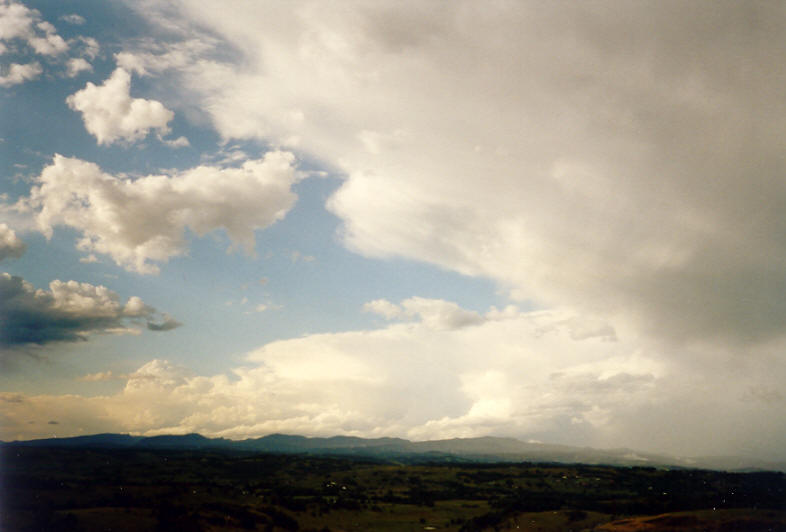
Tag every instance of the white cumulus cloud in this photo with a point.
(11, 246)
(17, 21)
(76, 65)
(384, 308)
(73, 18)
(100, 376)
(433, 313)
(440, 314)
(90, 46)
(19, 73)
(142, 222)
(179, 142)
(110, 113)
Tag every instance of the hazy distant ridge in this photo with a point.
(477, 449)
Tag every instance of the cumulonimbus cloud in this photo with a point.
(605, 159)
(141, 222)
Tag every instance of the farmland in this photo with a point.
(111, 489)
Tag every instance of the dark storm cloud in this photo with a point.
(67, 312)
(167, 324)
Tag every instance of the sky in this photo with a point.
(559, 222)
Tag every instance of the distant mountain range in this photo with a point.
(486, 449)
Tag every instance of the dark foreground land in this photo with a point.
(130, 490)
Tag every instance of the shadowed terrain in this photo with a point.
(92, 489)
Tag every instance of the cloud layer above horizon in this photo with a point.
(549, 375)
